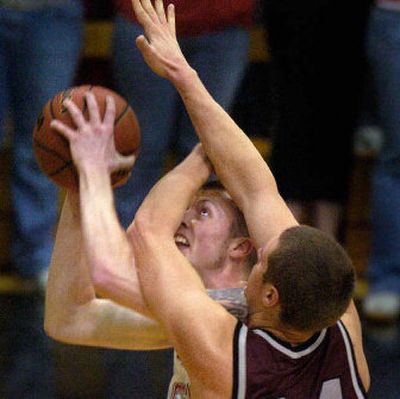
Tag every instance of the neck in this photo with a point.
(222, 278)
(291, 336)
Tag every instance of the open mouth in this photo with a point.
(181, 241)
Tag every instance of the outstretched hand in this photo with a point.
(159, 46)
(92, 142)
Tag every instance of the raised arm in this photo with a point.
(236, 161)
(73, 314)
(197, 327)
(108, 250)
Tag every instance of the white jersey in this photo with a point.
(234, 301)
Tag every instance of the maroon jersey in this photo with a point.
(324, 367)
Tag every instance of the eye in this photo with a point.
(204, 211)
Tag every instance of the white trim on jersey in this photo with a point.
(287, 351)
(350, 358)
(242, 377)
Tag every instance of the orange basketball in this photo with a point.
(52, 148)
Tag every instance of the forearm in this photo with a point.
(161, 266)
(69, 285)
(164, 206)
(73, 314)
(236, 161)
(108, 250)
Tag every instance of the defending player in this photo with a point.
(304, 336)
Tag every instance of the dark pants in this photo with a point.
(318, 62)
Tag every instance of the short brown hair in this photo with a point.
(239, 226)
(314, 277)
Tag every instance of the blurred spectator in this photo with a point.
(39, 50)
(383, 300)
(317, 49)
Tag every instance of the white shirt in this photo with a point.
(234, 301)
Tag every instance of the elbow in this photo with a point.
(146, 226)
(102, 280)
(141, 225)
(63, 331)
(50, 322)
(52, 333)
(59, 336)
(49, 329)
(53, 329)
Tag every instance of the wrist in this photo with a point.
(182, 77)
(94, 177)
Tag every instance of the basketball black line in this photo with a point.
(50, 151)
(61, 169)
(121, 115)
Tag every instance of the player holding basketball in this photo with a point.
(212, 234)
(303, 338)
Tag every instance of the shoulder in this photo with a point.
(352, 323)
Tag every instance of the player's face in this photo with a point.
(205, 232)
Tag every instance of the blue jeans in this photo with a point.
(384, 55)
(219, 58)
(39, 51)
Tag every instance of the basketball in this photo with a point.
(51, 148)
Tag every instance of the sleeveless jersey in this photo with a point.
(234, 302)
(324, 367)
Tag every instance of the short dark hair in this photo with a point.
(314, 276)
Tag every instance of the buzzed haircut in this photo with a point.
(314, 277)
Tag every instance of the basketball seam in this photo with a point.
(59, 170)
(121, 115)
(50, 151)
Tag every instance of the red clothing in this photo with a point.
(389, 4)
(202, 16)
(322, 368)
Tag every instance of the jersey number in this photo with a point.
(331, 389)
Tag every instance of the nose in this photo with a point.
(188, 217)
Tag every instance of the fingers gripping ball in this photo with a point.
(52, 149)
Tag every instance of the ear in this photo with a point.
(270, 296)
(240, 247)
